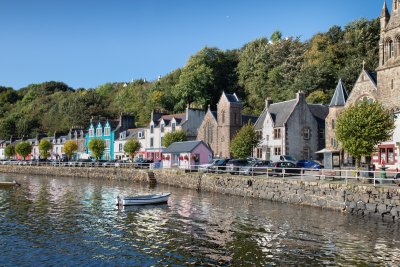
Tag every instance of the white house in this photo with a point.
(160, 124)
(124, 136)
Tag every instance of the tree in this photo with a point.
(362, 126)
(97, 146)
(131, 147)
(172, 137)
(9, 151)
(70, 147)
(244, 142)
(44, 147)
(23, 149)
(318, 97)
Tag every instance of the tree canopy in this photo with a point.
(172, 137)
(44, 147)
(23, 149)
(360, 127)
(9, 151)
(97, 146)
(132, 146)
(277, 67)
(244, 142)
(70, 147)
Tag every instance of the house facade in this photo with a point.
(186, 155)
(108, 131)
(2, 147)
(160, 124)
(78, 135)
(124, 136)
(219, 127)
(290, 128)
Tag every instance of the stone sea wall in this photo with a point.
(366, 200)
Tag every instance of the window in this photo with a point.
(258, 135)
(259, 153)
(107, 131)
(223, 116)
(162, 140)
(140, 135)
(277, 133)
(391, 50)
(333, 124)
(173, 126)
(91, 132)
(322, 133)
(151, 142)
(162, 128)
(120, 147)
(152, 129)
(107, 143)
(208, 133)
(98, 132)
(386, 154)
(392, 84)
(277, 150)
(306, 153)
(306, 134)
(333, 143)
(106, 156)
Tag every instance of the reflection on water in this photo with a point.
(69, 222)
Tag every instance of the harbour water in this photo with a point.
(51, 221)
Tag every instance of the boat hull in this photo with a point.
(144, 200)
(14, 183)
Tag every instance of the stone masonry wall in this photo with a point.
(357, 199)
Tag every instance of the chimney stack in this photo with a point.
(268, 102)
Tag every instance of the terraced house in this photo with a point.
(108, 131)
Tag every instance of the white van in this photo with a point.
(276, 158)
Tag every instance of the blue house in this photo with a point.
(108, 131)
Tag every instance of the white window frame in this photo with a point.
(99, 130)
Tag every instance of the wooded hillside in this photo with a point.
(272, 67)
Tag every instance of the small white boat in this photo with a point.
(13, 183)
(143, 200)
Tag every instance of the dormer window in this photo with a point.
(107, 131)
(91, 132)
(98, 132)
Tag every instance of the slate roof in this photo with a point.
(113, 123)
(373, 77)
(232, 98)
(280, 113)
(182, 147)
(340, 96)
(180, 118)
(319, 111)
(133, 133)
(249, 118)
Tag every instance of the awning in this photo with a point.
(325, 150)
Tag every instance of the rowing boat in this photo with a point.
(143, 199)
(13, 183)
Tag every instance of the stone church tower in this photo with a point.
(388, 72)
(229, 121)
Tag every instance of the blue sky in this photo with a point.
(85, 43)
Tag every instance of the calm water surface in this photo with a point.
(73, 222)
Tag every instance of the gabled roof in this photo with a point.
(215, 114)
(249, 118)
(372, 76)
(184, 147)
(232, 98)
(340, 96)
(319, 111)
(280, 113)
(180, 118)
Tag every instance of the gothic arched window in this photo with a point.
(391, 49)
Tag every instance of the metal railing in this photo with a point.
(340, 175)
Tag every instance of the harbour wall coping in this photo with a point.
(358, 199)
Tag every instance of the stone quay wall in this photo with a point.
(365, 200)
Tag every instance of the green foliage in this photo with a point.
(361, 127)
(260, 69)
(131, 147)
(172, 137)
(318, 97)
(23, 149)
(44, 147)
(70, 147)
(97, 146)
(244, 141)
(9, 151)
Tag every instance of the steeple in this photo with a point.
(340, 96)
(385, 16)
(395, 6)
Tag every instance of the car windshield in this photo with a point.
(290, 158)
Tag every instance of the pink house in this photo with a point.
(186, 155)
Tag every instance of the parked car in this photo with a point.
(206, 167)
(142, 163)
(308, 164)
(257, 167)
(84, 162)
(284, 167)
(219, 166)
(276, 158)
(234, 165)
